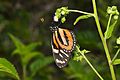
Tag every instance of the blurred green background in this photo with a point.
(29, 21)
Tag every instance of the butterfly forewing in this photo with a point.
(66, 40)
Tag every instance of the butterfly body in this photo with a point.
(63, 43)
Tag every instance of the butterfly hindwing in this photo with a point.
(61, 58)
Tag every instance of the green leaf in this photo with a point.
(7, 67)
(78, 58)
(109, 32)
(20, 46)
(40, 63)
(16, 51)
(78, 52)
(26, 58)
(82, 17)
(33, 45)
(84, 51)
(116, 62)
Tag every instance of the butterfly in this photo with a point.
(63, 43)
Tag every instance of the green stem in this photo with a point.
(116, 55)
(103, 41)
(81, 12)
(90, 64)
(108, 25)
(24, 72)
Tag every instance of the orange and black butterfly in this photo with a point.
(63, 43)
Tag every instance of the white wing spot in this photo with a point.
(60, 55)
(55, 50)
(65, 59)
(59, 61)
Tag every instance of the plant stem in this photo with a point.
(103, 41)
(24, 72)
(90, 64)
(81, 12)
(108, 25)
(116, 55)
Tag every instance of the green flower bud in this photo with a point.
(117, 13)
(63, 12)
(109, 10)
(114, 8)
(63, 20)
(115, 17)
(118, 40)
(58, 10)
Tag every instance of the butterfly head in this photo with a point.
(53, 28)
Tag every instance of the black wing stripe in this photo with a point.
(66, 37)
(60, 37)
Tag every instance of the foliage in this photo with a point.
(8, 68)
(82, 17)
(77, 71)
(112, 11)
(39, 64)
(27, 53)
(29, 21)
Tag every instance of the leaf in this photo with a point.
(20, 46)
(29, 56)
(109, 32)
(16, 51)
(40, 63)
(7, 67)
(33, 45)
(84, 51)
(116, 62)
(78, 58)
(82, 17)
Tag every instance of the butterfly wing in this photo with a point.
(63, 43)
(61, 58)
(66, 39)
